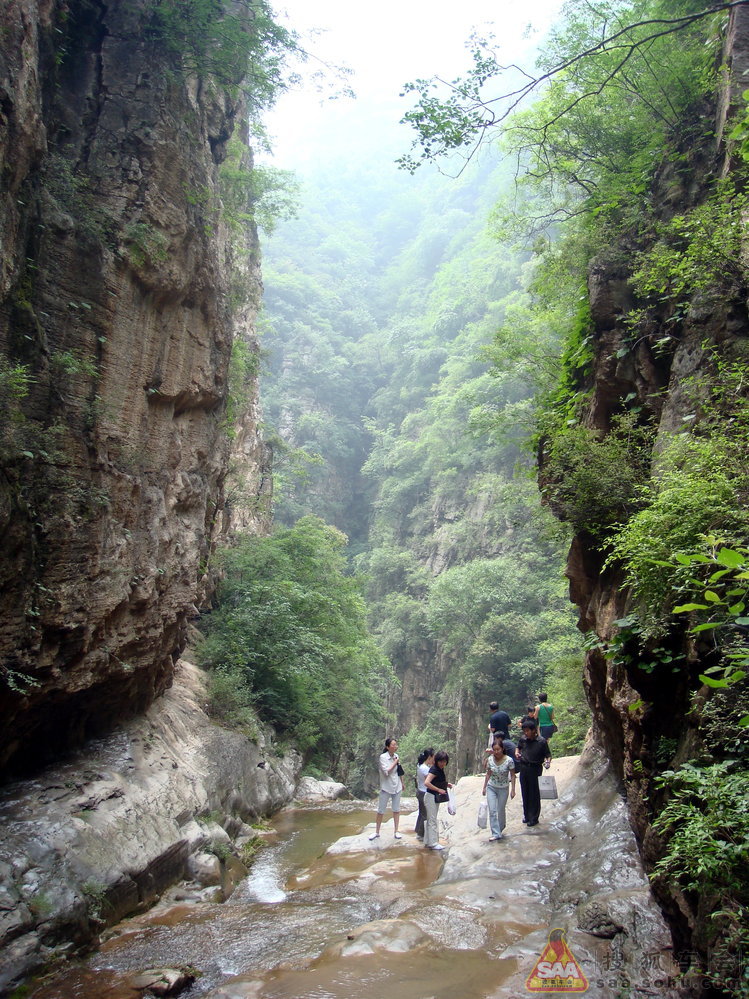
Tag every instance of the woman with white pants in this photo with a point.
(436, 785)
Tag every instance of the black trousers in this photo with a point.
(422, 816)
(529, 774)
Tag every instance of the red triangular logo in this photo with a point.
(556, 970)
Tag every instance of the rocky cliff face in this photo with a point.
(116, 329)
(644, 720)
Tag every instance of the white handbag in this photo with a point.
(547, 787)
(482, 816)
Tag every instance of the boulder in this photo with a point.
(311, 789)
(205, 868)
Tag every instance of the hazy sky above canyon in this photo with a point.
(385, 45)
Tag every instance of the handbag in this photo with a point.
(554, 728)
(547, 787)
(399, 770)
(481, 818)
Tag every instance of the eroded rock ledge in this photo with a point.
(103, 834)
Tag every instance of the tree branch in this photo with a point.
(465, 118)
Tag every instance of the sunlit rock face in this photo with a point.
(115, 304)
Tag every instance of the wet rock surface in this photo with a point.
(327, 912)
(104, 834)
(163, 981)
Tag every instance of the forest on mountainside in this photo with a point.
(416, 371)
(381, 302)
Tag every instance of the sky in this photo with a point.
(386, 44)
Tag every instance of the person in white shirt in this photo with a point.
(391, 786)
(426, 759)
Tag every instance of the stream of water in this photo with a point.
(327, 914)
(297, 900)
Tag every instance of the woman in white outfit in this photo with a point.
(391, 786)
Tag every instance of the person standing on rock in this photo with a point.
(436, 785)
(391, 786)
(500, 771)
(499, 723)
(545, 716)
(426, 759)
(532, 753)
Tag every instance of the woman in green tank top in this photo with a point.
(545, 716)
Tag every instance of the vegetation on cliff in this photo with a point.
(642, 443)
(288, 639)
(377, 324)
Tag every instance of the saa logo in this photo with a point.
(556, 970)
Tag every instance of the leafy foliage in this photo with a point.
(237, 44)
(594, 481)
(380, 324)
(708, 846)
(15, 380)
(289, 624)
(697, 252)
(255, 194)
(706, 822)
(231, 702)
(700, 490)
(723, 592)
(603, 111)
(635, 647)
(500, 619)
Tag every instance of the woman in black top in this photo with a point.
(436, 784)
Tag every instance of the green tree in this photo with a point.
(237, 44)
(598, 61)
(291, 625)
(379, 324)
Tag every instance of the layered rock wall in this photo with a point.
(118, 314)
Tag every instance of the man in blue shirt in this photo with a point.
(499, 723)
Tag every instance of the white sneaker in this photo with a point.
(437, 847)
(375, 836)
(397, 836)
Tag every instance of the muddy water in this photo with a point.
(296, 900)
(326, 914)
